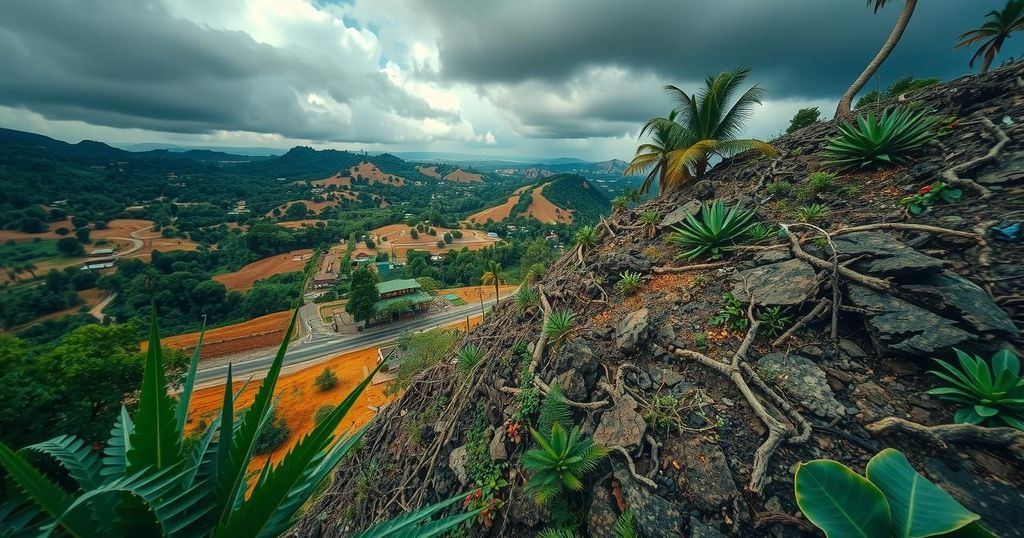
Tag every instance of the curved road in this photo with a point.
(320, 348)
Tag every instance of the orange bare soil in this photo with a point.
(461, 176)
(300, 399)
(471, 294)
(295, 224)
(90, 298)
(244, 278)
(498, 213)
(337, 180)
(430, 171)
(543, 210)
(313, 207)
(264, 331)
(372, 174)
(398, 238)
(117, 228)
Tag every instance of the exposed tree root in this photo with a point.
(811, 316)
(952, 175)
(632, 468)
(904, 226)
(1008, 438)
(846, 272)
(688, 268)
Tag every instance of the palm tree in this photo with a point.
(493, 275)
(701, 126)
(994, 32)
(894, 37)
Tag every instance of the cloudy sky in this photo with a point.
(515, 78)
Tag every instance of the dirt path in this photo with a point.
(97, 311)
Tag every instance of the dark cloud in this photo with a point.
(128, 63)
(797, 48)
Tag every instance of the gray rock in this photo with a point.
(804, 382)
(699, 530)
(851, 349)
(655, 517)
(949, 292)
(572, 384)
(601, 517)
(633, 331)
(665, 377)
(901, 327)
(496, 448)
(774, 255)
(783, 283)
(457, 460)
(680, 213)
(705, 477)
(619, 261)
(997, 501)
(621, 425)
(1006, 169)
(884, 255)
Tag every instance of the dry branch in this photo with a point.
(687, 268)
(1009, 438)
(952, 175)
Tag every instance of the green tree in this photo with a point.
(362, 296)
(991, 35)
(700, 126)
(493, 275)
(83, 234)
(70, 246)
(33, 225)
(296, 211)
(803, 118)
(843, 109)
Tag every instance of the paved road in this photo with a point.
(319, 348)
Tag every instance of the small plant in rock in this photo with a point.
(719, 226)
(732, 315)
(528, 398)
(813, 213)
(561, 532)
(780, 188)
(561, 462)
(880, 141)
(928, 196)
(625, 526)
(893, 500)
(649, 220)
(554, 410)
(663, 413)
(991, 395)
(526, 298)
(822, 181)
(560, 323)
(326, 380)
(759, 232)
(774, 320)
(469, 357)
(619, 203)
(585, 238)
(628, 283)
(700, 340)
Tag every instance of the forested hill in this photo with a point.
(570, 191)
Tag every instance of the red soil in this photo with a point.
(244, 278)
(461, 176)
(264, 331)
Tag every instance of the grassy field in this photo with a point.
(18, 253)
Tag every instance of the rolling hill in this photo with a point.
(562, 199)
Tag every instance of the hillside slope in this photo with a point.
(562, 199)
(708, 422)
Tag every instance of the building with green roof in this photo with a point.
(398, 297)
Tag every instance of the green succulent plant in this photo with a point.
(526, 298)
(990, 395)
(893, 500)
(558, 326)
(774, 320)
(813, 213)
(148, 482)
(468, 357)
(719, 226)
(759, 232)
(560, 463)
(585, 237)
(880, 141)
(628, 283)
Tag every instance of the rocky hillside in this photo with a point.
(706, 422)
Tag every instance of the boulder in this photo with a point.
(699, 530)
(884, 255)
(577, 355)
(601, 517)
(619, 261)
(621, 425)
(899, 326)
(680, 213)
(496, 448)
(655, 517)
(774, 255)
(950, 292)
(705, 477)
(784, 283)
(457, 460)
(665, 377)
(633, 331)
(801, 379)
(572, 384)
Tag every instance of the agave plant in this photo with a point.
(585, 238)
(812, 213)
(719, 226)
(148, 484)
(561, 462)
(878, 142)
(468, 357)
(629, 282)
(558, 326)
(993, 396)
(894, 500)
(649, 220)
(526, 298)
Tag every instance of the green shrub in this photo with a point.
(628, 283)
(526, 298)
(992, 395)
(773, 320)
(700, 340)
(650, 220)
(813, 213)
(803, 118)
(928, 196)
(326, 380)
(561, 463)
(894, 500)
(585, 237)
(273, 434)
(780, 188)
(469, 356)
(879, 142)
(759, 232)
(625, 526)
(719, 226)
(322, 413)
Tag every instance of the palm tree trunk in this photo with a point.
(897, 32)
(496, 295)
